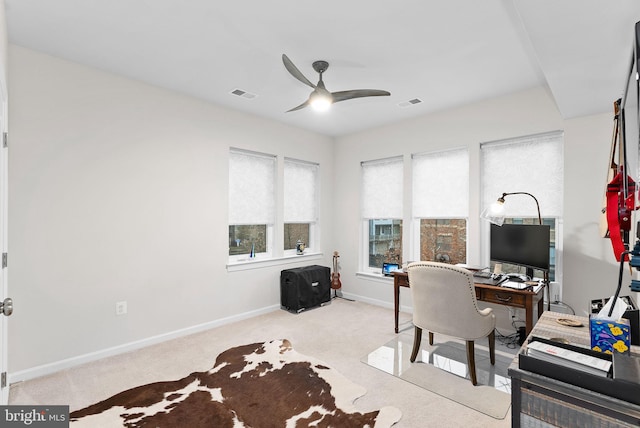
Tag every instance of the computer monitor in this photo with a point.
(521, 244)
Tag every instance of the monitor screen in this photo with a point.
(521, 244)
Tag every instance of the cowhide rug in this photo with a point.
(258, 385)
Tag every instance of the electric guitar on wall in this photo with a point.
(620, 191)
(612, 169)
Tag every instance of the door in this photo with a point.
(6, 305)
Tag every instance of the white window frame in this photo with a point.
(517, 200)
(268, 254)
(313, 245)
(386, 195)
(460, 212)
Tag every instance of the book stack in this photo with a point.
(568, 358)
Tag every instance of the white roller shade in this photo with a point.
(533, 164)
(382, 188)
(441, 184)
(251, 188)
(300, 191)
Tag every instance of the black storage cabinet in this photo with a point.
(304, 288)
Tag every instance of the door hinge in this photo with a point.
(3, 380)
(4, 260)
(5, 139)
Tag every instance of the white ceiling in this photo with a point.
(445, 53)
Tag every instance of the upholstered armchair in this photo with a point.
(444, 302)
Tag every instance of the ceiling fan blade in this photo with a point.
(303, 105)
(358, 93)
(295, 72)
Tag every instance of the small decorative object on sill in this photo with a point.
(252, 254)
(300, 247)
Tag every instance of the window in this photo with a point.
(532, 164)
(247, 239)
(385, 242)
(443, 240)
(251, 203)
(300, 203)
(294, 232)
(382, 212)
(441, 205)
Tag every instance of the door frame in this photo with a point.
(4, 180)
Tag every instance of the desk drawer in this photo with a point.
(501, 297)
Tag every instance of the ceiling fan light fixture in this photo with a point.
(321, 99)
(320, 102)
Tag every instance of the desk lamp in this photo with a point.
(495, 212)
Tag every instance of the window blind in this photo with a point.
(382, 187)
(300, 191)
(441, 184)
(532, 164)
(251, 188)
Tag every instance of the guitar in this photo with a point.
(620, 194)
(335, 276)
(612, 169)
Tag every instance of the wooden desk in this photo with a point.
(486, 293)
(538, 400)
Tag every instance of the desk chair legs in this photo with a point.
(471, 355)
(417, 338)
(492, 347)
(471, 362)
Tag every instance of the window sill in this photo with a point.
(247, 264)
(375, 277)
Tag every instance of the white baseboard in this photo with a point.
(558, 307)
(367, 300)
(50, 368)
(376, 302)
(57, 366)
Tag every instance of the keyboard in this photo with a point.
(489, 278)
(483, 274)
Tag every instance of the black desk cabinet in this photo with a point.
(304, 288)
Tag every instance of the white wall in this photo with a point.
(118, 191)
(590, 270)
(4, 44)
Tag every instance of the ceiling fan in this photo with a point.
(320, 99)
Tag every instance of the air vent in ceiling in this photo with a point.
(243, 94)
(410, 102)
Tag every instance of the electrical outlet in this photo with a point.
(121, 308)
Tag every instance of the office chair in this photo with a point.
(444, 302)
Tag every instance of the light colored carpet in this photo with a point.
(338, 334)
(442, 368)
